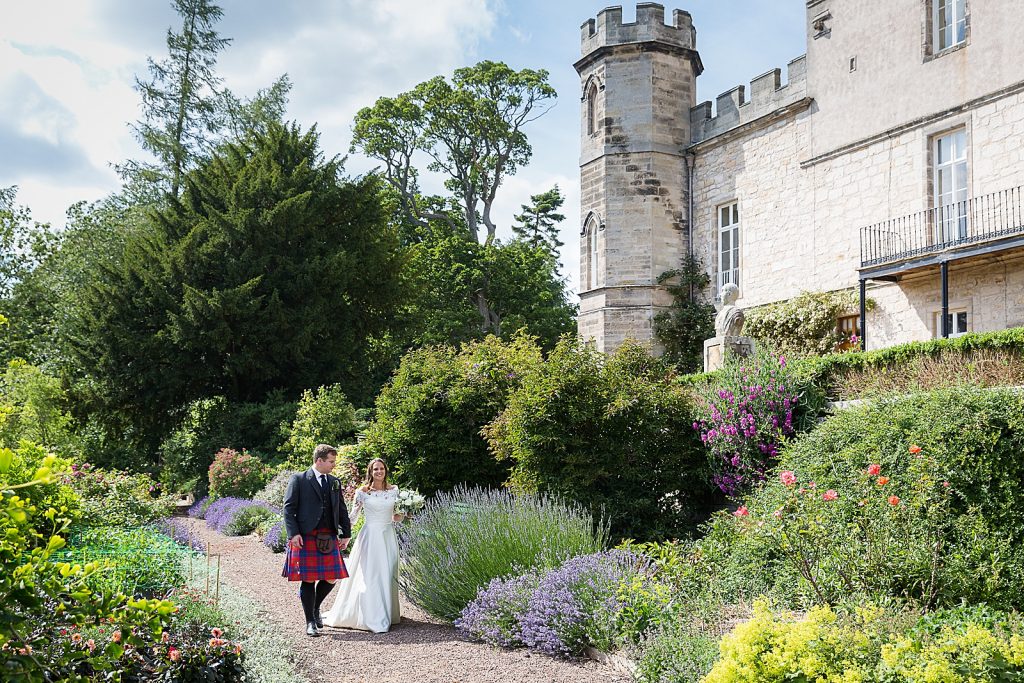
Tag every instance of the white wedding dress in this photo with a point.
(368, 598)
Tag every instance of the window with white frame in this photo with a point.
(949, 18)
(958, 321)
(728, 245)
(949, 154)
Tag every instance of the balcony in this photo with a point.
(974, 226)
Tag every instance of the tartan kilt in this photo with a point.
(309, 564)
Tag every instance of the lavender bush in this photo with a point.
(199, 508)
(582, 603)
(464, 539)
(493, 616)
(181, 533)
(222, 513)
(276, 537)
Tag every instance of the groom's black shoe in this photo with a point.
(311, 630)
(318, 620)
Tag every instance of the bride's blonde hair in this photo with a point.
(369, 474)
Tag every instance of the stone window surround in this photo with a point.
(592, 239)
(931, 34)
(591, 101)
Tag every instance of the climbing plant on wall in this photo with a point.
(804, 325)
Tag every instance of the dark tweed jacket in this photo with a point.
(303, 505)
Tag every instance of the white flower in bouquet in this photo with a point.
(409, 502)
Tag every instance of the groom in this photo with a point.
(318, 529)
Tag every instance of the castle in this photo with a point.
(889, 161)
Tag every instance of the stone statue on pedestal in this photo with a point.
(728, 339)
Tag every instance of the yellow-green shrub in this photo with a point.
(872, 645)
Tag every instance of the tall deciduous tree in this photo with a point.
(471, 131)
(180, 100)
(268, 273)
(537, 225)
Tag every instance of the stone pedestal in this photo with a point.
(717, 349)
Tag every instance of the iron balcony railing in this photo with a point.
(957, 224)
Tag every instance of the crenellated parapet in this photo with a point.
(767, 94)
(609, 31)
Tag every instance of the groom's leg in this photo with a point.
(323, 589)
(307, 594)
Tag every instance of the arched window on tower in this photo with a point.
(593, 257)
(592, 109)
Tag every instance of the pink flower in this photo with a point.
(811, 484)
(164, 637)
(787, 478)
(91, 644)
(116, 636)
(829, 495)
(173, 653)
(874, 469)
(778, 513)
(742, 511)
(894, 500)
(946, 484)
(217, 633)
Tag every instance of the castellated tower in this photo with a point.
(638, 85)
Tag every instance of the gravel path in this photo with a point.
(417, 650)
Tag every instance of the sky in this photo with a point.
(68, 68)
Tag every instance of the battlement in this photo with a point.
(767, 94)
(649, 26)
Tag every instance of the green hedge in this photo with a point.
(825, 372)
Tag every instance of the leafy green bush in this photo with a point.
(613, 433)
(42, 597)
(211, 424)
(325, 416)
(462, 540)
(429, 417)
(249, 519)
(274, 490)
(141, 562)
(116, 498)
(50, 492)
(868, 644)
(34, 409)
(676, 652)
(953, 530)
(234, 474)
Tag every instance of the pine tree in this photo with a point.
(537, 225)
(180, 101)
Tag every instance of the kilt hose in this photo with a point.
(309, 564)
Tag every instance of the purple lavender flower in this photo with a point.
(275, 538)
(579, 603)
(198, 509)
(493, 616)
(222, 512)
(181, 533)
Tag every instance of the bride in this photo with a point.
(368, 599)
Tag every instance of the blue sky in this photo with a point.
(67, 69)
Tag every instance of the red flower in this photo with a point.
(173, 653)
(894, 500)
(829, 495)
(882, 481)
(874, 469)
(914, 449)
(742, 511)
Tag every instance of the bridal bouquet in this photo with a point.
(409, 502)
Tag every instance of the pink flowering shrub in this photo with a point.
(748, 413)
(237, 474)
